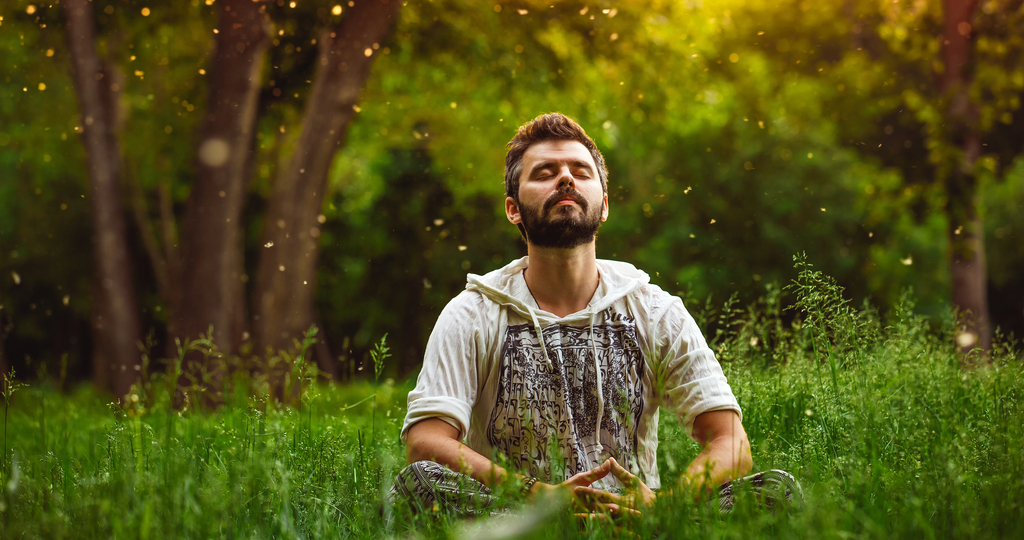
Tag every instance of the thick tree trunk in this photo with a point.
(212, 281)
(116, 356)
(966, 234)
(286, 279)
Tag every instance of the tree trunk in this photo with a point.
(966, 234)
(116, 356)
(286, 277)
(212, 276)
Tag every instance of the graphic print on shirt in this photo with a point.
(542, 407)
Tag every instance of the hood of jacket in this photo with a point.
(618, 279)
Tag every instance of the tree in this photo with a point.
(115, 309)
(978, 82)
(211, 290)
(286, 278)
(965, 230)
(204, 284)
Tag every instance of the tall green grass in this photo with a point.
(888, 435)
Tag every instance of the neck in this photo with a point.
(562, 280)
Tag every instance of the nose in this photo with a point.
(565, 178)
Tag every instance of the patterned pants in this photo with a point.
(429, 486)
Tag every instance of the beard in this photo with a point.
(561, 227)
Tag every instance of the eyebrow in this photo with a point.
(577, 163)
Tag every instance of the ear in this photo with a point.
(604, 208)
(512, 211)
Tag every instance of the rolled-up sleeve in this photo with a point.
(690, 378)
(447, 385)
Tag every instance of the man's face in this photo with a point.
(561, 200)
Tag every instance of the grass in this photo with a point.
(888, 435)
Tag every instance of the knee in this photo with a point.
(418, 470)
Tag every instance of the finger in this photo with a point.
(627, 478)
(593, 475)
(620, 514)
(586, 503)
(597, 495)
(619, 471)
(623, 512)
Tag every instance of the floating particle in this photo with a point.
(214, 152)
(966, 339)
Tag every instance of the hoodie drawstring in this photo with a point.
(600, 387)
(540, 335)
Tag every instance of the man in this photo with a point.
(557, 363)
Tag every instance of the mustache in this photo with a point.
(563, 194)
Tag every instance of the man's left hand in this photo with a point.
(637, 497)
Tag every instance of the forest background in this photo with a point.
(260, 167)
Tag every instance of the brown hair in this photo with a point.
(546, 127)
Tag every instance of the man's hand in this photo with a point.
(725, 455)
(584, 506)
(637, 497)
(435, 440)
(582, 479)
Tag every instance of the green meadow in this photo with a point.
(888, 434)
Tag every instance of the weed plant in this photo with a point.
(889, 436)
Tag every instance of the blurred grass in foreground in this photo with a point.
(888, 435)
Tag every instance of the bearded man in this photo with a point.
(550, 372)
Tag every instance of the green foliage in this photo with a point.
(10, 386)
(737, 132)
(379, 354)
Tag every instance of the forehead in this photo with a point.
(556, 151)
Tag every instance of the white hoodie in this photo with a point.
(535, 402)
